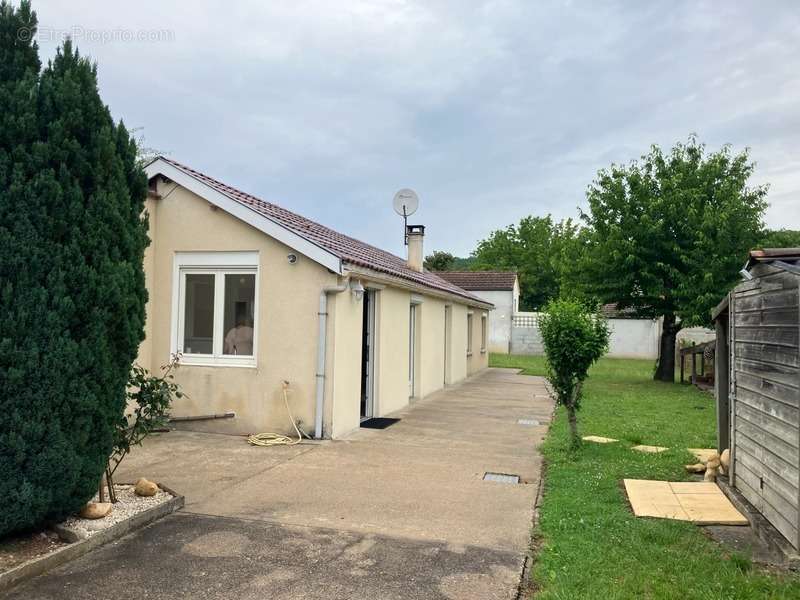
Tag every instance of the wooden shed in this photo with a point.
(758, 386)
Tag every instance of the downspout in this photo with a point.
(321, 349)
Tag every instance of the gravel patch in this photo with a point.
(128, 504)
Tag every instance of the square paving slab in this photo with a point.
(598, 439)
(702, 503)
(650, 449)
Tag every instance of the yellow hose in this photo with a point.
(278, 439)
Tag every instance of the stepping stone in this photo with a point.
(703, 454)
(650, 449)
(599, 439)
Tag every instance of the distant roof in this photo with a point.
(612, 311)
(480, 280)
(349, 250)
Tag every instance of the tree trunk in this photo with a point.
(575, 439)
(666, 361)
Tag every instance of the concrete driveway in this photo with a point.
(397, 513)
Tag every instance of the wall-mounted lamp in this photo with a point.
(358, 290)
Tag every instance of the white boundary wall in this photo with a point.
(630, 338)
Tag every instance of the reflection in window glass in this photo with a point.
(240, 297)
(198, 327)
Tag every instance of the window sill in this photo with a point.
(184, 362)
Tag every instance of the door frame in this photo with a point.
(370, 297)
(413, 346)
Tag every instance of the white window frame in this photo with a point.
(218, 264)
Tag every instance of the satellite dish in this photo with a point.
(405, 202)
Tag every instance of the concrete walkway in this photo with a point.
(395, 513)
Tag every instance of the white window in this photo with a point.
(215, 308)
(483, 333)
(469, 333)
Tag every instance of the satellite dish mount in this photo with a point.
(405, 204)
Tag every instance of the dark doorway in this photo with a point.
(367, 354)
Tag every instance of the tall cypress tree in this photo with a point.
(72, 292)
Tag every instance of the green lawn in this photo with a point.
(591, 544)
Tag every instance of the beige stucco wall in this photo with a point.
(287, 331)
(479, 359)
(344, 365)
(287, 328)
(431, 363)
(391, 350)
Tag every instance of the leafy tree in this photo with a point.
(667, 235)
(574, 339)
(72, 289)
(780, 238)
(542, 252)
(439, 261)
(465, 263)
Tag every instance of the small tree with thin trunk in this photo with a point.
(574, 339)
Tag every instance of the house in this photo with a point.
(501, 288)
(251, 294)
(757, 383)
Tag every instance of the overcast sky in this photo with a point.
(490, 110)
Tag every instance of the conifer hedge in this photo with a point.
(72, 291)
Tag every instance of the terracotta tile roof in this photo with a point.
(349, 250)
(480, 280)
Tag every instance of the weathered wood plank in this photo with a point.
(786, 316)
(780, 336)
(767, 353)
(768, 493)
(785, 484)
(775, 373)
(751, 493)
(765, 439)
(778, 410)
(769, 504)
(767, 300)
(781, 392)
(768, 423)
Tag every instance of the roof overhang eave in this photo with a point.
(253, 218)
(400, 282)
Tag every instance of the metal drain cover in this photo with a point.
(528, 422)
(500, 477)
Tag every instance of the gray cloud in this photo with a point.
(491, 110)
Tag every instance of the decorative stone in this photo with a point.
(96, 510)
(725, 461)
(144, 487)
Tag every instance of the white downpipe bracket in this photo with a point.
(321, 350)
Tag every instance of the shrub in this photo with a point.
(574, 339)
(150, 398)
(72, 291)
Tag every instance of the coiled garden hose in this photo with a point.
(278, 439)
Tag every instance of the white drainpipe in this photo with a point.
(321, 347)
